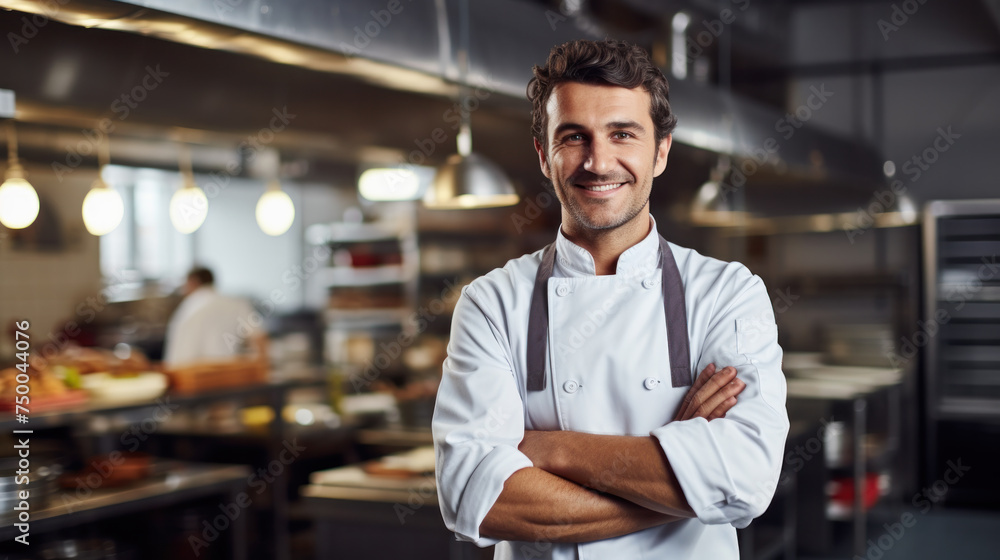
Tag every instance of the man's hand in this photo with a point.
(630, 467)
(538, 446)
(712, 395)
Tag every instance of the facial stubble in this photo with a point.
(578, 214)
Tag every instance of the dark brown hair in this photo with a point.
(202, 276)
(605, 62)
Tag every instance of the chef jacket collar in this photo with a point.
(202, 291)
(636, 261)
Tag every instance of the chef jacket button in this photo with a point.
(650, 383)
(571, 386)
(650, 283)
(562, 290)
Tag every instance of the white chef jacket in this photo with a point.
(209, 326)
(608, 372)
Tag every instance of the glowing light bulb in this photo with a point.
(188, 208)
(275, 211)
(18, 199)
(102, 209)
(18, 203)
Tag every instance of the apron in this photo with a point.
(673, 306)
(606, 380)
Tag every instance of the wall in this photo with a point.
(250, 263)
(45, 287)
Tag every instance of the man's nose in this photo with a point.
(600, 158)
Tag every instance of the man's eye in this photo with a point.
(622, 135)
(573, 138)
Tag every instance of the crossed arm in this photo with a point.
(536, 505)
(587, 487)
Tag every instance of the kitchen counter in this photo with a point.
(362, 515)
(180, 482)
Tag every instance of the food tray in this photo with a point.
(209, 376)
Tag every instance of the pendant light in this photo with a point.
(102, 208)
(189, 205)
(275, 210)
(380, 184)
(18, 199)
(467, 179)
(716, 203)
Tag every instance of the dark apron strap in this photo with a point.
(538, 320)
(674, 310)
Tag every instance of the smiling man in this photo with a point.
(569, 421)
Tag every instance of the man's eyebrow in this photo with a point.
(617, 125)
(565, 127)
(614, 125)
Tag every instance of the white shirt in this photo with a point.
(607, 338)
(209, 326)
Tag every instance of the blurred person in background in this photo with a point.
(209, 326)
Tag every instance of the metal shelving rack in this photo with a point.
(341, 323)
(859, 398)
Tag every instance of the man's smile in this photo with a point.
(601, 188)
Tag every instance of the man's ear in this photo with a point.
(661, 155)
(543, 162)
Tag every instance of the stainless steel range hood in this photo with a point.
(407, 46)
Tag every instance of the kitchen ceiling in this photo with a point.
(67, 78)
(336, 117)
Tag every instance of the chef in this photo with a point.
(613, 395)
(209, 326)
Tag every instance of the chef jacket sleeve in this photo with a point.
(729, 467)
(478, 422)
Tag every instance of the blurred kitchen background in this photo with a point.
(315, 156)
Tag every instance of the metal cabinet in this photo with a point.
(960, 337)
